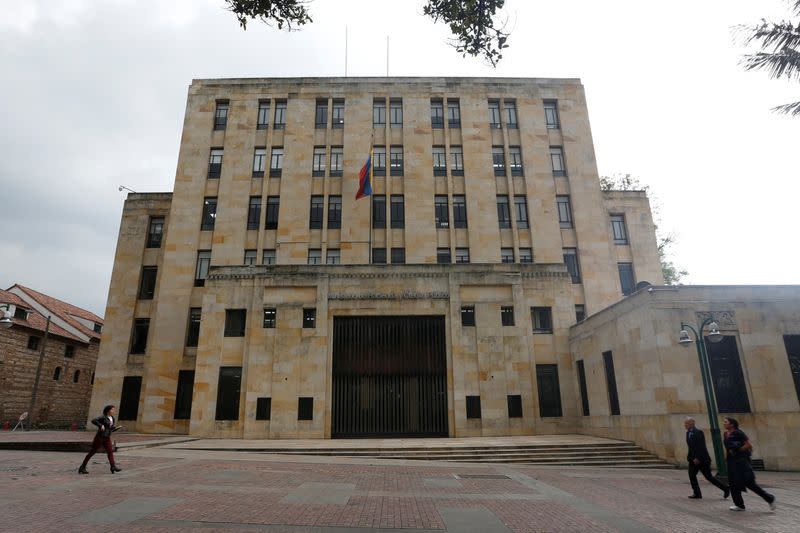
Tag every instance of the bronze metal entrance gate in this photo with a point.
(389, 377)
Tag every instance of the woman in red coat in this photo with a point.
(106, 425)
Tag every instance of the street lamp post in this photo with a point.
(705, 372)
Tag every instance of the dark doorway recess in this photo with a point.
(389, 377)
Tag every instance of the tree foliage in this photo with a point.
(476, 32)
(779, 54)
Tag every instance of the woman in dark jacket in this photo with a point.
(740, 472)
(106, 425)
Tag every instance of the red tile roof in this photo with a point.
(65, 311)
(35, 320)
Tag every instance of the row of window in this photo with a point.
(33, 344)
(76, 376)
(541, 317)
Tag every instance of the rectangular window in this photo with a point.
(33, 343)
(254, 212)
(337, 161)
(321, 115)
(515, 160)
(337, 119)
(473, 406)
(507, 315)
(69, 352)
(503, 213)
(229, 392)
(221, 115)
(453, 114)
(618, 229)
(209, 214)
(564, 211)
(439, 161)
(183, 395)
(441, 211)
(626, 278)
(396, 160)
(314, 256)
(270, 317)
(273, 206)
(215, 163)
(457, 161)
(792, 343)
(379, 113)
(462, 255)
(129, 401)
(542, 320)
(437, 114)
(155, 232)
(498, 161)
(250, 257)
(551, 114)
(557, 161)
(334, 212)
(525, 255)
(582, 387)
(511, 114)
(262, 122)
(333, 256)
(309, 318)
(269, 257)
(379, 256)
(611, 382)
(443, 256)
(235, 321)
(305, 408)
(494, 114)
(521, 209)
(276, 162)
(280, 115)
(468, 315)
(573, 265)
(549, 391)
(193, 328)
(396, 113)
(263, 408)
(316, 212)
(506, 255)
(379, 161)
(580, 313)
(201, 271)
(147, 285)
(318, 162)
(259, 161)
(141, 327)
(459, 211)
(378, 211)
(727, 376)
(514, 406)
(398, 212)
(398, 256)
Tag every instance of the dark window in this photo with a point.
(334, 212)
(263, 115)
(20, 313)
(193, 330)
(506, 255)
(139, 335)
(441, 211)
(395, 113)
(511, 114)
(457, 161)
(396, 160)
(549, 391)
(201, 271)
(564, 211)
(611, 382)
(583, 390)
(155, 232)
(378, 211)
(69, 351)
(318, 161)
(76, 376)
(229, 392)
(618, 229)
(97, 327)
(398, 211)
(726, 373)
(91, 382)
(525, 255)
(514, 406)
(521, 209)
(259, 161)
(437, 114)
(507, 315)
(305, 408)
(379, 256)
(276, 162)
(557, 161)
(398, 256)
(551, 114)
(542, 320)
(183, 395)
(467, 315)
(129, 402)
(462, 255)
(379, 112)
(443, 256)
(33, 343)
(321, 115)
(263, 408)
(515, 160)
(273, 205)
(337, 161)
(209, 214)
(459, 211)
(316, 212)
(379, 161)
(626, 278)
(494, 114)
(235, 321)
(503, 212)
(792, 343)
(309, 318)
(498, 161)
(453, 114)
(147, 285)
(280, 115)
(337, 119)
(57, 373)
(580, 313)
(221, 116)
(473, 406)
(270, 317)
(215, 163)
(439, 161)
(254, 212)
(573, 266)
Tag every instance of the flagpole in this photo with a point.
(372, 184)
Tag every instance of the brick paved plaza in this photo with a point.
(163, 489)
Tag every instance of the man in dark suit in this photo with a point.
(699, 460)
(106, 425)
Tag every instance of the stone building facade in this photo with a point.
(260, 299)
(68, 353)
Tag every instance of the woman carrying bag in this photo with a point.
(106, 425)
(740, 473)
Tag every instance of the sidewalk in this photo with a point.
(78, 441)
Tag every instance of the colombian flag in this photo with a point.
(365, 179)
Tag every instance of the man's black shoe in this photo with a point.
(725, 494)
(115, 469)
(82, 470)
(695, 497)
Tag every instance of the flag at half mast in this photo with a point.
(365, 178)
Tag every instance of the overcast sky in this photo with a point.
(94, 92)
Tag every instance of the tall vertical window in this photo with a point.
(379, 113)
(503, 213)
(441, 211)
(573, 265)
(221, 115)
(626, 278)
(398, 212)
(254, 212)
(262, 121)
(229, 388)
(521, 210)
(314, 256)
(309, 318)
(155, 232)
(459, 211)
(129, 401)
(235, 322)
(525, 255)
(580, 312)
(462, 255)
(443, 256)
(280, 115)
(337, 161)
(792, 343)
(193, 328)
(551, 114)
(147, 285)
(457, 161)
(379, 161)
(611, 383)
(618, 229)
(453, 114)
(57, 373)
(273, 205)
(215, 163)
(396, 113)
(250, 257)
(316, 212)
(321, 115)
(334, 212)
(276, 162)
(515, 160)
(398, 256)
(318, 161)
(396, 160)
(439, 161)
(263, 408)
(564, 211)
(542, 319)
(183, 395)
(269, 257)
(468, 315)
(259, 161)
(333, 256)
(201, 270)
(498, 161)
(494, 114)
(270, 317)
(507, 315)
(378, 211)
(437, 114)
(727, 376)
(141, 326)
(209, 213)
(379, 256)
(549, 391)
(583, 389)
(305, 408)
(473, 406)
(511, 114)
(506, 255)
(557, 161)
(337, 116)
